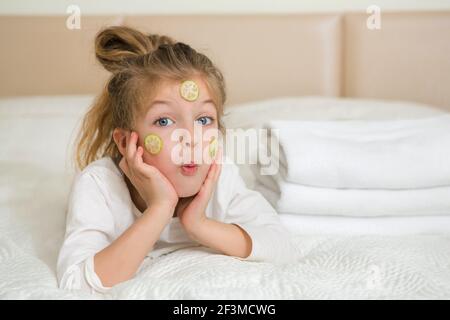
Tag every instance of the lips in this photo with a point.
(189, 169)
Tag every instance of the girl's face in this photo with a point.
(185, 128)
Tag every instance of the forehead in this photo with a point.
(171, 89)
(168, 92)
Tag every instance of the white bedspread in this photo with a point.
(364, 267)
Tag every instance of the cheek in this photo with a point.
(204, 169)
(161, 159)
(157, 146)
(172, 153)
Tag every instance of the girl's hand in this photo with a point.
(192, 216)
(154, 188)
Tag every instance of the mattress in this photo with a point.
(35, 138)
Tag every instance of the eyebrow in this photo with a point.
(167, 102)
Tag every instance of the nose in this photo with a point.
(193, 138)
(187, 142)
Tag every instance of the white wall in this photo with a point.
(99, 7)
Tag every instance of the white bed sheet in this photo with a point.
(35, 182)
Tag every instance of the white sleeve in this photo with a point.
(82, 276)
(271, 241)
(89, 229)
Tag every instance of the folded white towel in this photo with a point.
(351, 226)
(357, 154)
(294, 198)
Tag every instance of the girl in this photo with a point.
(132, 200)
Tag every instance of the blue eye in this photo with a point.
(204, 120)
(163, 122)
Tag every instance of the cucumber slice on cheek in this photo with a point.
(153, 143)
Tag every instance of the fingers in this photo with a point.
(133, 157)
(134, 161)
(215, 169)
(218, 170)
(133, 151)
(131, 146)
(211, 179)
(139, 154)
(218, 157)
(218, 162)
(127, 163)
(211, 174)
(137, 159)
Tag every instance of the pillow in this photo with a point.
(39, 130)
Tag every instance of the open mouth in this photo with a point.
(189, 169)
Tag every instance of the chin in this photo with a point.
(186, 190)
(187, 186)
(186, 194)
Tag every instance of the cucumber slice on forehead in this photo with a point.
(189, 90)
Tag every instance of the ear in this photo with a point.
(120, 138)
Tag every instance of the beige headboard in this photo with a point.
(261, 56)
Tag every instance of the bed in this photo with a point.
(35, 183)
(333, 73)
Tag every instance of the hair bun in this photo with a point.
(114, 46)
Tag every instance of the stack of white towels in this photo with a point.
(359, 176)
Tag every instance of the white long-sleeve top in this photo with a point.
(100, 209)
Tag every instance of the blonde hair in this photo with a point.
(138, 63)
